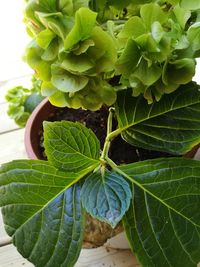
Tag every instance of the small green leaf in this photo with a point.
(106, 196)
(157, 31)
(104, 51)
(152, 12)
(147, 43)
(179, 71)
(66, 81)
(42, 212)
(44, 38)
(191, 5)
(163, 222)
(85, 20)
(58, 99)
(51, 52)
(133, 28)
(53, 21)
(193, 35)
(181, 15)
(147, 74)
(84, 63)
(129, 59)
(69, 7)
(171, 125)
(33, 58)
(47, 89)
(48, 5)
(83, 47)
(71, 146)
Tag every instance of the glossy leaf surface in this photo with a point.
(71, 146)
(42, 212)
(163, 222)
(106, 197)
(171, 125)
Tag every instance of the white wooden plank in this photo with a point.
(4, 238)
(100, 257)
(12, 146)
(14, 39)
(197, 155)
(107, 258)
(6, 124)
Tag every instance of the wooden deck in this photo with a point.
(14, 72)
(12, 147)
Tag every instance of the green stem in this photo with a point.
(111, 163)
(110, 136)
(114, 134)
(109, 131)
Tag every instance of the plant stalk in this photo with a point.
(106, 147)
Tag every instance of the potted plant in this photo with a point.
(22, 101)
(138, 58)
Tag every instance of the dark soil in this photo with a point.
(120, 151)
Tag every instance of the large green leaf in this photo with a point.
(71, 146)
(106, 196)
(163, 222)
(171, 125)
(42, 212)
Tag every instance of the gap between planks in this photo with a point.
(7, 124)
(100, 257)
(12, 146)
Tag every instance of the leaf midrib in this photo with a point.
(154, 196)
(73, 149)
(154, 234)
(65, 188)
(161, 139)
(148, 117)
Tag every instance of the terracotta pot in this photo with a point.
(34, 127)
(96, 233)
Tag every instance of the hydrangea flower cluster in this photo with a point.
(85, 51)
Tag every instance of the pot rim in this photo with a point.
(29, 128)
